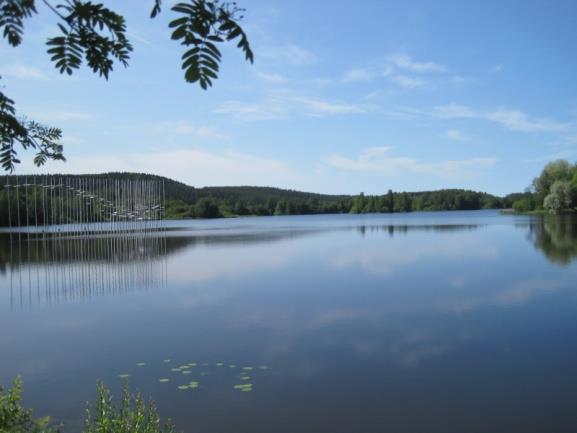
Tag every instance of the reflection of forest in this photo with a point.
(556, 237)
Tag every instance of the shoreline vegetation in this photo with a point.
(554, 191)
(187, 202)
(132, 414)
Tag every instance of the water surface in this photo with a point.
(423, 322)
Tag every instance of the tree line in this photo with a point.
(183, 201)
(553, 191)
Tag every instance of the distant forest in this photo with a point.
(183, 201)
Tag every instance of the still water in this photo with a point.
(424, 322)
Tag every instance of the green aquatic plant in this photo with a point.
(166, 361)
(132, 415)
(243, 387)
(232, 366)
(204, 373)
(244, 377)
(182, 387)
(248, 368)
(124, 375)
(164, 380)
(176, 370)
(192, 364)
(186, 372)
(140, 364)
(14, 418)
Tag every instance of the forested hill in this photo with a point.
(184, 201)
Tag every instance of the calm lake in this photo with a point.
(424, 322)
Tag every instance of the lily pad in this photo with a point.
(186, 372)
(248, 368)
(232, 366)
(219, 364)
(175, 369)
(124, 375)
(164, 380)
(204, 373)
(166, 361)
(141, 364)
(183, 387)
(245, 378)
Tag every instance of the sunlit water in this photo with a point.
(425, 322)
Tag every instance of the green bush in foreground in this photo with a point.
(14, 418)
(132, 415)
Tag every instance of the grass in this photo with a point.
(132, 414)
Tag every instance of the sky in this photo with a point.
(343, 97)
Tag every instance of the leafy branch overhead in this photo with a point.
(202, 25)
(91, 33)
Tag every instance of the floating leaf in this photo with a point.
(246, 390)
(219, 364)
(164, 380)
(204, 373)
(232, 366)
(183, 387)
(248, 368)
(175, 369)
(192, 364)
(245, 378)
(264, 367)
(193, 385)
(124, 375)
(166, 361)
(141, 364)
(186, 372)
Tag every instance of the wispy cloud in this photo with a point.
(358, 74)
(291, 54)
(23, 72)
(266, 110)
(271, 78)
(408, 82)
(515, 120)
(194, 167)
(188, 128)
(404, 61)
(380, 160)
(318, 106)
(58, 116)
(455, 134)
(496, 69)
(283, 106)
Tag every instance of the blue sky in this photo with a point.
(344, 96)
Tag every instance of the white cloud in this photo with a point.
(321, 107)
(511, 119)
(267, 110)
(23, 72)
(282, 106)
(187, 128)
(272, 78)
(379, 160)
(290, 54)
(408, 82)
(496, 69)
(403, 61)
(358, 74)
(58, 116)
(191, 166)
(455, 134)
